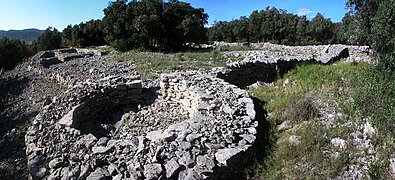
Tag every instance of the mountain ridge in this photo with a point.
(29, 34)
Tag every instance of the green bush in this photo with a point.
(12, 52)
(301, 109)
(375, 97)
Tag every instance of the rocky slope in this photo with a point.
(46, 95)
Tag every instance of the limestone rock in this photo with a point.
(205, 160)
(223, 155)
(171, 167)
(340, 143)
(55, 163)
(153, 171)
(294, 140)
(392, 167)
(98, 174)
(189, 174)
(192, 137)
(87, 140)
(100, 149)
(68, 119)
(368, 129)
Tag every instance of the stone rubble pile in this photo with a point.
(86, 64)
(270, 53)
(272, 60)
(207, 124)
(48, 58)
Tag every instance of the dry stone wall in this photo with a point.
(247, 67)
(208, 123)
(84, 64)
(323, 53)
(189, 125)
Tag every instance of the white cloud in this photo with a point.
(304, 12)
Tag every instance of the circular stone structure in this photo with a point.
(189, 126)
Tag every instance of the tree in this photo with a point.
(12, 52)
(320, 29)
(255, 24)
(301, 36)
(150, 28)
(214, 33)
(152, 24)
(383, 37)
(241, 29)
(275, 26)
(67, 39)
(116, 26)
(49, 40)
(183, 24)
(364, 11)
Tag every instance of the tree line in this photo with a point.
(276, 26)
(371, 22)
(173, 25)
(138, 24)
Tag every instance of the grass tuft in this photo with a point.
(149, 63)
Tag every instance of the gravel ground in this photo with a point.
(22, 95)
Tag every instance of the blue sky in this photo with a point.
(22, 14)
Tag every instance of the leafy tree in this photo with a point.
(116, 26)
(255, 23)
(301, 26)
(49, 40)
(215, 33)
(150, 28)
(373, 24)
(183, 24)
(276, 26)
(67, 39)
(241, 29)
(383, 37)
(320, 29)
(364, 11)
(152, 24)
(12, 52)
(345, 34)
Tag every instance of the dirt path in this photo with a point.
(22, 95)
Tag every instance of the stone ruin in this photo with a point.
(210, 122)
(185, 125)
(80, 64)
(247, 67)
(49, 58)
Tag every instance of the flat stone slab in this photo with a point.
(185, 141)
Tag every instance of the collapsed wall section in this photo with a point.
(219, 128)
(67, 67)
(274, 60)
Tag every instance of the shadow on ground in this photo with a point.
(14, 118)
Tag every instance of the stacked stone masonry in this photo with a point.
(190, 125)
(247, 67)
(79, 65)
(219, 125)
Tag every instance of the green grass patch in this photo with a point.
(375, 97)
(304, 81)
(148, 63)
(290, 99)
(305, 160)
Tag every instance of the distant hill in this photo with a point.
(24, 35)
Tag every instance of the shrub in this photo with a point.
(12, 52)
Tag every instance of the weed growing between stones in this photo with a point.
(148, 64)
(322, 117)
